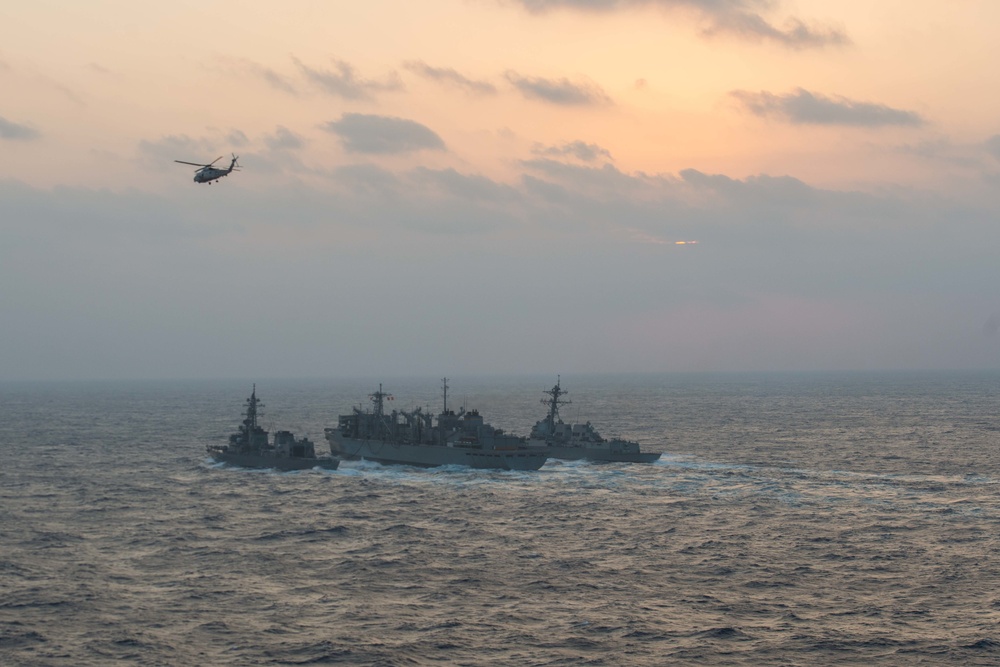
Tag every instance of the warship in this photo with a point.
(572, 442)
(249, 448)
(412, 438)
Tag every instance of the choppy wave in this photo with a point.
(834, 522)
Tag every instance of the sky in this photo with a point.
(498, 186)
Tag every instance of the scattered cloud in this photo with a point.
(236, 138)
(741, 18)
(803, 107)
(943, 151)
(559, 91)
(16, 131)
(450, 77)
(276, 80)
(795, 35)
(343, 81)
(283, 139)
(268, 75)
(162, 152)
(579, 150)
(367, 133)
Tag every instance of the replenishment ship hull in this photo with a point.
(573, 442)
(413, 438)
(431, 456)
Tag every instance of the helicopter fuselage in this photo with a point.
(208, 175)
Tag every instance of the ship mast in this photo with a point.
(377, 399)
(554, 402)
(250, 423)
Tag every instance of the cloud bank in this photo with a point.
(284, 139)
(740, 18)
(992, 146)
(463, 268)
(16, 131)
(804, 107)
(343, 81)
(450, 77)
(383, 135)
(580, 150)
(562, 92)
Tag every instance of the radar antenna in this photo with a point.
(378, 398)
(555, 402)
(253, 403)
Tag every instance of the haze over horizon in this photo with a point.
(498, 186)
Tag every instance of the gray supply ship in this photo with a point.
(249, 448)
(411, 438)
(581, 441)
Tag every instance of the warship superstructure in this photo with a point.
(249, 447)
(581, 441)
(412, 438)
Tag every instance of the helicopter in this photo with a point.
(206, 173)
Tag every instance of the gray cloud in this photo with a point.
(283, 139)
(575, 149)
(270, 76)
(450, 77)
(804, 107)
(16, 131)
(943, 151)
(275, 80)
(367, 133)
(992, 146)
(343, 81)
(161, 153)
(236, 138)
(558, 91)
(740, 18)
(795, 35)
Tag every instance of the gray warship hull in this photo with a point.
(575, 442)
(432, 456)
(283, 463)
(600, 455)
(250, 447)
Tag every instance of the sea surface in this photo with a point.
(799, 519)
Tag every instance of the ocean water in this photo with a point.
(812, 519)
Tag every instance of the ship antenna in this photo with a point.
(377, 398)
(252, 404)
(555, 401)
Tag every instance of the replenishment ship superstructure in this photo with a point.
(581, 441)
(249, 447)
(412, 438)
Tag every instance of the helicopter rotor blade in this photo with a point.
(195, 164)
(213, 161)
